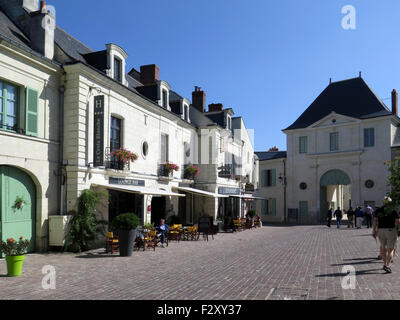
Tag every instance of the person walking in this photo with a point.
(350, 217)
(359, 217)
(385, 226)
(339, 215)
(368, 215)
(330, 214)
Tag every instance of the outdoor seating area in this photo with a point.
(149, 237)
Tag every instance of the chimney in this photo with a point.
(395, 102)
(215, 107)
(42, 25)
(149, 74)
(199, 99)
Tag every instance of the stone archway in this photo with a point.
(335, 191)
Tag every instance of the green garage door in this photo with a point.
(14, 222)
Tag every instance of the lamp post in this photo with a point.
(283, 180)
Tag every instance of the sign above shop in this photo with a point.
(229, 191)
(98, 143)
(126, 182)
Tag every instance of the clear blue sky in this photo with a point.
(266, 59)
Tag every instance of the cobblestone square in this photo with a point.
(271, 263)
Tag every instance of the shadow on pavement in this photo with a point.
(373, 260)
(358, 273)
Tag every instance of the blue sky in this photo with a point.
(266, 59)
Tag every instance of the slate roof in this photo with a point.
(270, 155)
(10, 31)
(351, 97)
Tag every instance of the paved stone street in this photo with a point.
(301, 262)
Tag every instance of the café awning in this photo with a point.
(138, 189)
(200, 192)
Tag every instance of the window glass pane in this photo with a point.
(11, 108)
(11, 122)
(1, 89)
(11, 93)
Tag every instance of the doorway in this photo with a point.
(158, 209)
(17, 205)
(335, 192)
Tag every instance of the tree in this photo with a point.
(84, 227)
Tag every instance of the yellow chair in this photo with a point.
(175, 232)
(112, 243)
(150, 240)
(238, 224)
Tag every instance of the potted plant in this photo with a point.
(19, 203)
(191, 172)
(125, 225)
(169, 167)
(123, 156)
(15, 254)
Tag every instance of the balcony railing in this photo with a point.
(114, 163)
(226, 171)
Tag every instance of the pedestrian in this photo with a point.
(339, 215)
(359, 217)
(385, 226)
(163, 230)
(350, 217)
(368, 215)
(330, 214)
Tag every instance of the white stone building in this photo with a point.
(65, 108)
(336, 151)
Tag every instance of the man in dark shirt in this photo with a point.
(339, 215)
(386, 222)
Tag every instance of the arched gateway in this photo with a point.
(15, 220)
(335, 192)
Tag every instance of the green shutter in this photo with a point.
(263, 181)
(31, 113)
(273, 177)
(273, 206)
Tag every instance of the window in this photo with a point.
(8, 107)
(334, 141)
(117, 69)
(115, 137)
(185, 112)
(145, 149)
(164, 148)
(165, 99)
(369, 137)
(268, 178)
(268, 207)
(302, 144)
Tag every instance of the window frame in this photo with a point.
(3, 111)
(369, 140)
(119, 129)
(334, 146)
(117, 69)
(304, 144)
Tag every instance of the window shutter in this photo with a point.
(31, 113)
(273, 177)
(263, 175)
(273, 206)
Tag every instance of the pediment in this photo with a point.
(333, 119)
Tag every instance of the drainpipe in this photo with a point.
(61, 175)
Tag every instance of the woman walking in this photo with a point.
(386, 222)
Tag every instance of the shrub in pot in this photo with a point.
(15, 253)
(125, 224)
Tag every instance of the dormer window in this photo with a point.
(117, 70)
(165, 98)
